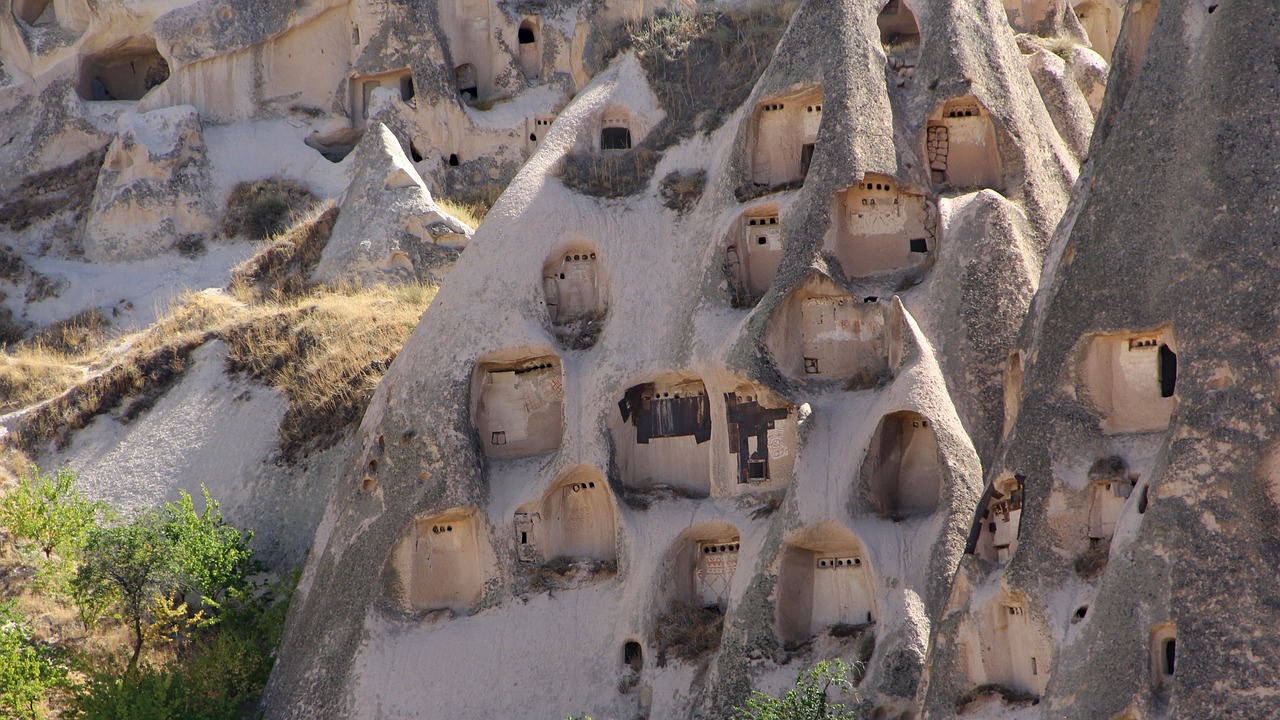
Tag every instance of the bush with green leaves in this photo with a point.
(221, 677)
(808, 699)
(163, 553)
(29, 672)
(50, 512)
(213, 558)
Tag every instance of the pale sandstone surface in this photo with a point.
(877, 217)
(1158, 462)
(428, 466)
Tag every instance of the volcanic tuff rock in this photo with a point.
(868, 238)
(942, 342)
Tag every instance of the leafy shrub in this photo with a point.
(29, 672)
(212, 557)
(146, 693)
(807, 700)
(49, 511)
(160, 553)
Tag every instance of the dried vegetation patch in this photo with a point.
(687, 632)
(324, 348)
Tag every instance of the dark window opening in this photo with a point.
(615, 138)
(747, 420)
(533, 137)
(633, 655)
(762, 240)
(919, 245)
(1081, 612)
(806, 158)
(465, 75)
(1168, 371)
(453, 160)
(524, 537)
(525, 35)
(1142, 501)
(1169, 655)
(666, 417)
(406, 88)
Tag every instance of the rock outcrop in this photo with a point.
(778, 410)
(388, 228)
(152, 193)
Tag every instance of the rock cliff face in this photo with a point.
(1140, 437)
(766, 384)
(932, 334)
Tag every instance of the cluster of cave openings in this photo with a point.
(786, 129)
(124, 72)
(574, 283)
(663, 434)
(762, 436)
(1010, 651)
(530, 49)
(519, 406)
(702, 564)
(1110, 486)
(901, 472)
(35, 13)
(752, 254)
(897, 24)
(821, 332)
(444, 563)
(1131, 378)
(960, 143)
(1101, 22)
(881, 227)
(574, 519)
(1164, 655)
(823, 581)
(995, 531)
(401, 80)
(615, 129)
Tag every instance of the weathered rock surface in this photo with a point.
(388, 228)
(152, 190)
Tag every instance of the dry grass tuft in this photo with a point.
(325, 352)
(326, 355)
(470, 213)
(258, 209)
(32, 375)
(77, 336)
(283, 268)
(681, 191)
(687, 632)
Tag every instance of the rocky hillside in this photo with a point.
(792, 331)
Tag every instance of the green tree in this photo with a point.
(49, 511)
(161, 553)
(214, 557)
(29, 672)
(135, 561)
(807, 700)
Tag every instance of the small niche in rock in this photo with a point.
(335, 146)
